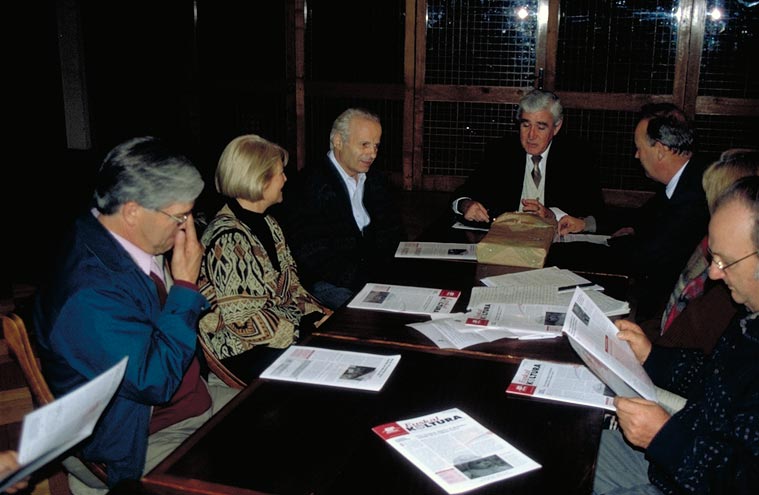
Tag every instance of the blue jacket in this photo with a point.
(99, 307)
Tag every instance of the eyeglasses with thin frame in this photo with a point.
(179, 220)
(724, 266)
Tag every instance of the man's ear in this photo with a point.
(130, 212)
(662, 150)
(337, 142)
(557, 127)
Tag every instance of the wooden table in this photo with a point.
(286, 438)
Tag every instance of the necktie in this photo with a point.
(536, 169)
(160, 287)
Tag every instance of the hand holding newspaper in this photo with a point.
(456, 451)
(52, 429)
(594, 337)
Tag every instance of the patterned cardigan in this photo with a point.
(251, 303)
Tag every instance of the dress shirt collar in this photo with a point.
(672, 184)
(143, 259)
(359, 179)
(543, 159)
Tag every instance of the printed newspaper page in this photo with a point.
(402, 299)
(594, 337)
(456, 451)
(563, 382)
(52, 429)
(436, 250)
(320, 366)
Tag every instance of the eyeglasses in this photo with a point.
(724, 266)
(179, 220)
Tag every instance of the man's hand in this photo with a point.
(624, 231)
(188, 253)
(634, 336)
(640, 419)
(535, 207)
(9, 463)
(569, 225)
(474, 211)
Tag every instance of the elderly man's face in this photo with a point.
(536, 130)
(158, 229)
(357, 153)
(730, 240)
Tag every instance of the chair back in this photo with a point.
(18, 341)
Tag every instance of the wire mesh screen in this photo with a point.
(455, 134)
(731, 41)
(716, 133)
(481, 42)
(623, 46)
(321, 112)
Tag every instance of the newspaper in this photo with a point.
(540, 319)
(54, 428)
(402, 299)
(594, 337)
(544, 295)
(592, 238)
(563, 382)
(455, 333)
(319, 366)
(544, 277)
(436, 250)
(456, 451)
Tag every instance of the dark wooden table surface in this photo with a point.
(286, 438)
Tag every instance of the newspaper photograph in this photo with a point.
(320, 366)
(594, 337)
(563, 382)
(455, 450)
(436, 250)
(403, 299)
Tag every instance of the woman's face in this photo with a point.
(273, 189)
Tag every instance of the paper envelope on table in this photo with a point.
(517, 239)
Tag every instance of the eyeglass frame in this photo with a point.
(721, 264)
(179, 220)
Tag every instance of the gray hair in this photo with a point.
(342, 123)
(668, 125)
(146, 171)
(538, 100)
(746, 191)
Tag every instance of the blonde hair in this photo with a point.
(731, 166)
(246, 166)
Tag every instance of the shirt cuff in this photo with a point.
(455, 205)
(558, 213)
(187, 285)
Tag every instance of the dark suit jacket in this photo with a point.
(667, 231)
(319, 226)
(571, 177)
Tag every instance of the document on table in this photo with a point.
(403, 299)
(543, 295)
(436, 250)
(454, 450)
(594, 337)
(592, 238)
(54, 428)
(478, 226)
(319, 366)
(543, 277)
(563, 382)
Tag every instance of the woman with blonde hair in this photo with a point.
(258, 305)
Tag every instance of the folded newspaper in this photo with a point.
(436, 250)
(594, 337)
(403, 299)
(563, 382)
(319, 366)
(456, 451)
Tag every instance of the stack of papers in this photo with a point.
(402, 299)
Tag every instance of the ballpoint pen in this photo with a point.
(573, 286)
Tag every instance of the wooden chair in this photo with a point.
(217, 367)
(18, 342)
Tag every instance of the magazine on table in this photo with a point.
(563, 382)
(594, 337)
(437, 250)
(56, 427)
(403, 299)
(319, 366)
(455, 450)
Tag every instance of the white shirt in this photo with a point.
(355, 188)
(672, 184)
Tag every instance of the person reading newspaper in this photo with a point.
(711, 445)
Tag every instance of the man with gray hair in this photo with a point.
(340, 217)
(711, 443)
(515, 175)
(112, 294)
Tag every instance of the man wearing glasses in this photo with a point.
(112, 295)
(711, 444)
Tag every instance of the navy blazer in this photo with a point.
(571, 178)
(318, 222)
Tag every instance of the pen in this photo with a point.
(570, 287)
